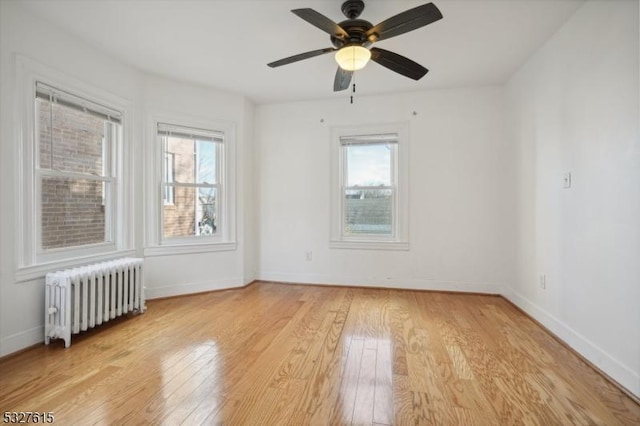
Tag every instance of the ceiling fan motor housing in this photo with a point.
(356, 28)
(352, 8)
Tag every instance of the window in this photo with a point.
(74, 166)
(190, 198)
(192, 181)
(369, 186)
(75, 173)
(370, 189)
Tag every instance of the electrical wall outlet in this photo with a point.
(543, 281)
(567, 180)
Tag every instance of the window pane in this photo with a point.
(206, 162)
(73, 212)
(368, 165)
(368, 211)
(70, 140)
(206, 213)
(194, 161)
(193, 213)
(168, 167)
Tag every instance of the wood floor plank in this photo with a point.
(365, 388)
(277, 354)
(322, 389)
(398, 315)
(402, 401)
(277, 404)
(345, 404)
(383, 395)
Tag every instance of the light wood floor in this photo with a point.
(291, 354)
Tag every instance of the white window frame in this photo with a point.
(168, 174)
(399, 237)
(110, 148)
(225, 237)
(32, 261)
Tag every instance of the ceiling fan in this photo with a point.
(351, 40)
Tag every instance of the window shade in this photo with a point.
(68, 100)
(190, 133)
(385, 139)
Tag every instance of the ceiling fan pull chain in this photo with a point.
(353, 87)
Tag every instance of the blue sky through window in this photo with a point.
(368, 165)
(206, 162)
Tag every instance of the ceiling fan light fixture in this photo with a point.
(353, 58)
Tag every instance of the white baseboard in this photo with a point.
(401, 284)
(602, 360)
(22, 340)
(248, 279)
(190, 288)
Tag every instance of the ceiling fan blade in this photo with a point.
(342, 80)
(301, 56)
(404, 22)
(320, 21)
(398, 63)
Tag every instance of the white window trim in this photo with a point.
(29, 264)
(399, 240)
(165, 169)
(225, 240)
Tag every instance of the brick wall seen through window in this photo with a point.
(71, 145)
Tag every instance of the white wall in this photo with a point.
(575, 109)
(22, 303)
(21, 33)
(169, 275)
(247, 196)
(461, 200)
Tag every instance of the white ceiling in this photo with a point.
(226, 44)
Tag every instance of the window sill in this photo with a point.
(34, 272)
(169, 250)
(369, 245)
